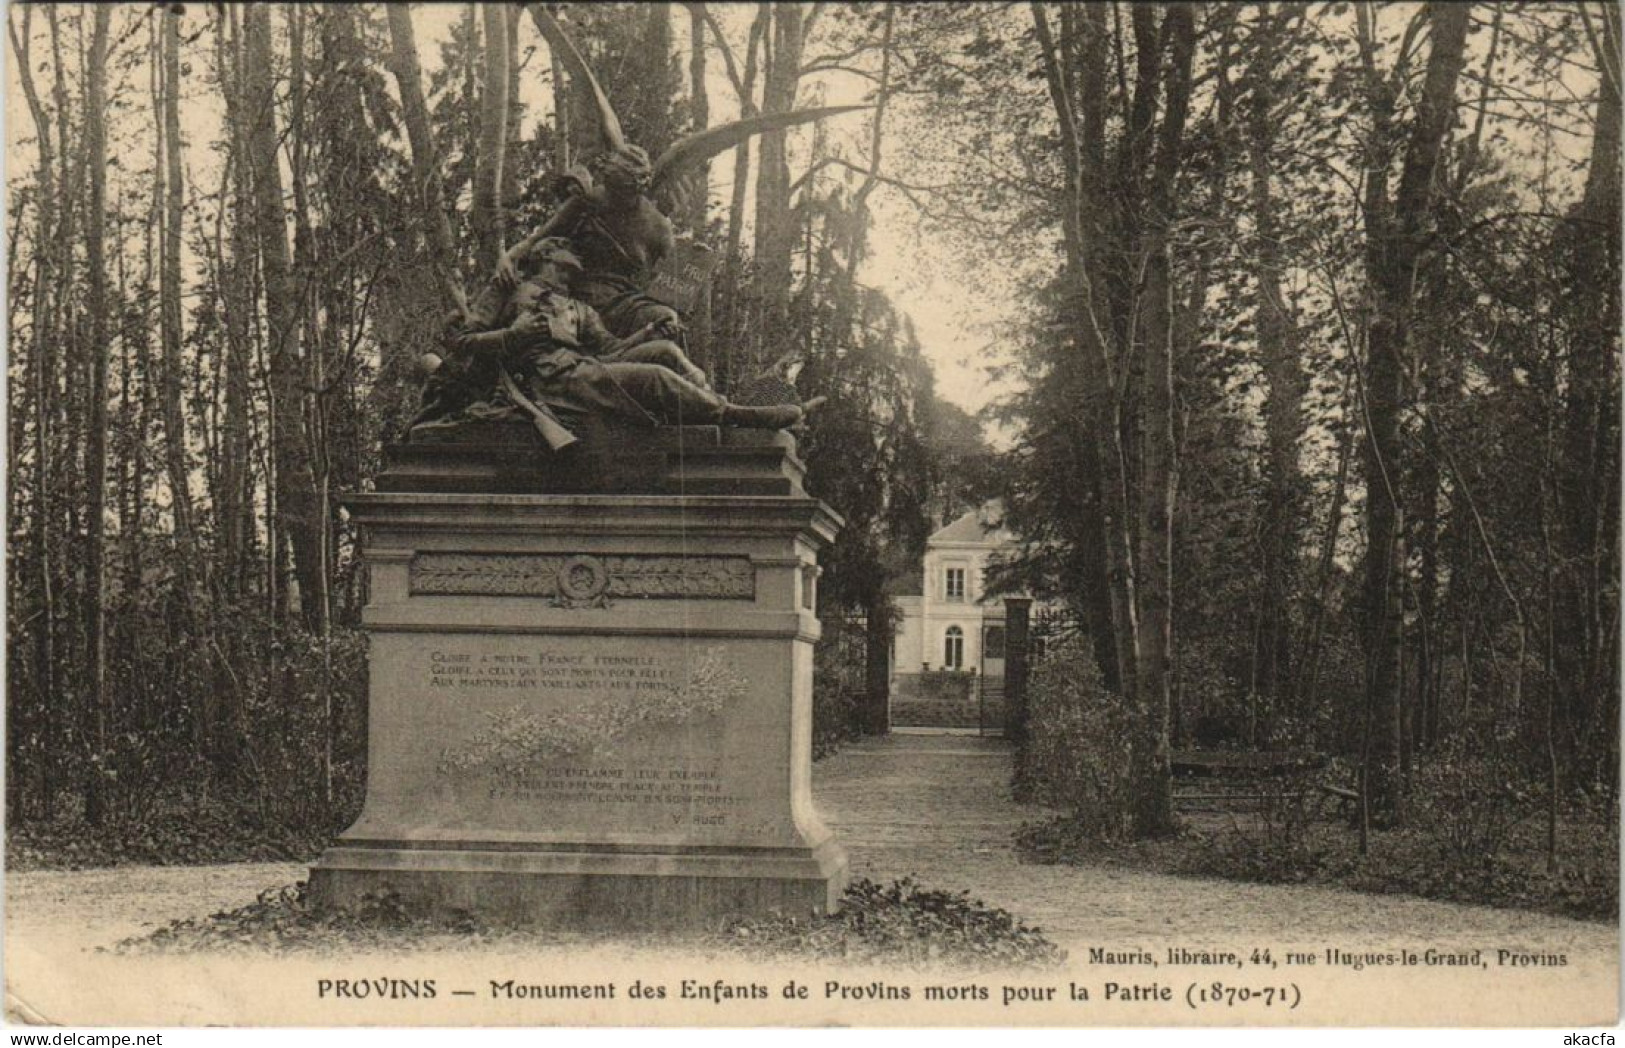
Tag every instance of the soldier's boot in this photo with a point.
(770, 416)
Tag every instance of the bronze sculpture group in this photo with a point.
(566, 328)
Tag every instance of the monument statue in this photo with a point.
(617, 210)
(566, 328)
(527, 346)
(590, 675)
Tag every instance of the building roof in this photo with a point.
(972, 527)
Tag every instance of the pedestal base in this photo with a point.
(694, 889)
(590, 710)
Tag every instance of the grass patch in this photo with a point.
(900, 923)
(1406, 862)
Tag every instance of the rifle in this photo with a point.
(541, 416)
(554, 432)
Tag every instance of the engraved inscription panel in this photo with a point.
(603, 737)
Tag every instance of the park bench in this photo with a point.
(1226, 777)
(1237, 777)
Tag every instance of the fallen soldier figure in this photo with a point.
(551, 356)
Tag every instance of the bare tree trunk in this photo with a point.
(235, 514)
(71, 656)
(1091, 369)
(151, 265)
(1160, 470)
(562, 153)
(1278, 347)
(699, 108)
(425, 157)
(39, 372)
(96, 451)
(508, 187)
(1426, 529)
(775, 226)
(123, 434)
(1394, 247)
(169, 282)
(1588, 494)
(747, 108)
(291, 453)
(1118, 234)
(308, 260)
(64, 380)
(699, 338)
(1309, 681)
(485, 213)
(1552, 688)
(726, 355)
(1192, 323)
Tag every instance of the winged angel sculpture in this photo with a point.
(567, 327)
(616, 215)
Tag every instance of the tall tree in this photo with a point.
(175, 455)
(1117, 219)
(1588, 479)
(486, 210)
(784, 42)
(234, 510)
(295, 496)
(1396, 233)
(96, 305)
(1279, 352)
(1159, 471)
(744, 85)
(729, 315)
(40, 385)
(426, 173)
(699, 103)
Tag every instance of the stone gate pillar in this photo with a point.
(1017, 652)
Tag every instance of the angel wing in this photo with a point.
(677, 173)
(675, 176)
(609, 125)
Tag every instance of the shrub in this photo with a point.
(903, 923)
(1471, 796)
(248, 745)
(1077, 753)
(283, 918)
(838, 685)
(1275, 844)
(896, 923)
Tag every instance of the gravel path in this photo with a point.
(937, 808)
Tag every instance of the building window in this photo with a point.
(955, 587)
(953, 648)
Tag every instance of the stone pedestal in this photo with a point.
(591, 708)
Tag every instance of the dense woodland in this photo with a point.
(235, 229)
(1307, 318)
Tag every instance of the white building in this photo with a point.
(947, 623)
